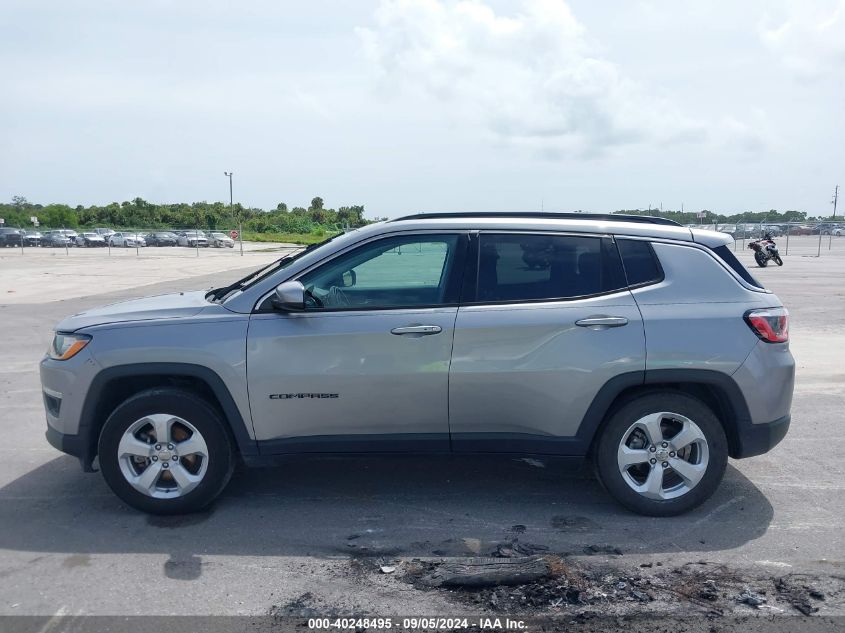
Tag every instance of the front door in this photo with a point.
(365, 367)
(551, 322)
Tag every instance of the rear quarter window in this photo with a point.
(727, 256)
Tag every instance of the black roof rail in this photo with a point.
(608, 217)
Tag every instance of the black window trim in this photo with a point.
(264, 306)
(471, 297)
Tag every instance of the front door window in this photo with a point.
(395, 272)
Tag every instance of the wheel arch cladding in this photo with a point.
(716, 389)
(113, 385)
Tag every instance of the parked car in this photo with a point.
(772, 229)
(644, 344)
(161, 238)
(192, 238)
(747, 231)
(32, 237)
(736, 231)
(90, 239)
(827, 228)
(838, 232)
(56, 239)
(10, 237)
(803, 229)
(70, 234)
(221, 240)
(106, 233)
(127, 240)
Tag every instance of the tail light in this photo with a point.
(770, 324)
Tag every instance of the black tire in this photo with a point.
(605, 454)
(761, 260)
(192, 408)
(778, 260)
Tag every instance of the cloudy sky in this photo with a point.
(409, 105)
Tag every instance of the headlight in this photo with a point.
(67, 346)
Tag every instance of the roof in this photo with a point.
(610, 224)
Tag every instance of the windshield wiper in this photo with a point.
(219, 294)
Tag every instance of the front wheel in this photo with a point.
(778, 260)
(662, 454)
(761, 259)
(166, 451)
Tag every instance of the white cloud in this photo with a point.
(811, 40)
(534, 79)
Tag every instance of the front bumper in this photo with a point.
(756, 439)
(64, 387)
(78, 446)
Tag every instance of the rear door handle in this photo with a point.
(602, 322)
(417, 329)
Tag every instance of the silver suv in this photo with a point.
(641, 344)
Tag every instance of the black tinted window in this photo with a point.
(641, 265)
(730, 259)
(536, 267)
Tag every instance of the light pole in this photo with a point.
(228, 174)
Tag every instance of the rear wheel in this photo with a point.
(760, 259)
(166, 451)
(662, 454)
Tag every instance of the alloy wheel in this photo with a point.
(163, 456)
(663, 455)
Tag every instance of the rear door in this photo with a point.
(549, 321)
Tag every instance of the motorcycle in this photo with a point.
(765, 249)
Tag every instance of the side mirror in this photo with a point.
(289, 296)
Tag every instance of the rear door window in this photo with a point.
(526, 267)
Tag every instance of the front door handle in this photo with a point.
(417, 329)
(602, 322)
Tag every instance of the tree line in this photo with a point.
(139, 213)
(316, 218)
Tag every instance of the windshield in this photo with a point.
(221, 294)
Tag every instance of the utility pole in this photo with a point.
(833, 218)
(232, 211)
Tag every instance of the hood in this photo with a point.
(178, 305)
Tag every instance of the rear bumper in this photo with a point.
(756, 439)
